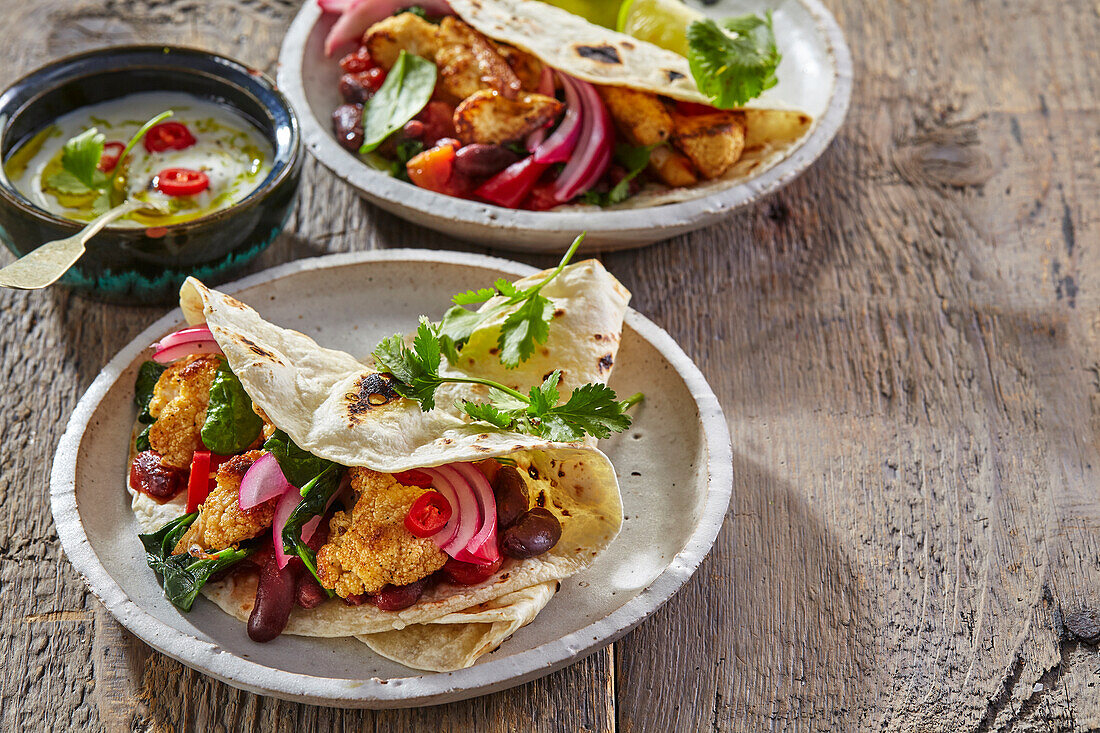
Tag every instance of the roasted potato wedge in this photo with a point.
(405, 32)
(713, 142)
(672, 167)
(641, 117)
(487, 116)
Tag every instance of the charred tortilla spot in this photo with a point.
(628, 45)
(540, 500)
(533, 473)
(374, 390)
(598, 337)
(494, 351)
(482, 449)
(673, 75)
(604, 53)
(257, 349)
(559, 313)
(505, 576)
(605, 362)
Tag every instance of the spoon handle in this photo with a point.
(45, 265)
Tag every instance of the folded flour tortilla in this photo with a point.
(339, 408)
(569, 43)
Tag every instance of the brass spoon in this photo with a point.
(45, 265)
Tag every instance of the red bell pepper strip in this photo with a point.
(198, 483)
(512, 184)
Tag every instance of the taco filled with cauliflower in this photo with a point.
(426, 501)
(524, 105)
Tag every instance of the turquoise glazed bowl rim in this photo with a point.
(281, 127)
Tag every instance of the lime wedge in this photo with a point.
(661, 22)
(600, 12)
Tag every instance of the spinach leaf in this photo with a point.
(141, 442)
(406, 91)
(144, 386)
(231, 423)
(183, 574)
(406, 151)
(299, 466)
(634, 159)
(315, 496)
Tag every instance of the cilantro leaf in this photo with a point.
(416, 371)
(486, 412)
(65, 182)
(471, 297)
(80, 158)
(592, 409)
(523, 328)
(634, 158)
(732, 69)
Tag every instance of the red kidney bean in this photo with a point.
(347, 124)
(534, 533)
(309, 594)
(510, 491)
(396, 597)
(414, 129)
(149, 475)
(275, 597)
(481, 161)
(358, 600)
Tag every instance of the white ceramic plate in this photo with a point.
(816, 70)
(674, 467)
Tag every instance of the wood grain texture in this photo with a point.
(906, 342)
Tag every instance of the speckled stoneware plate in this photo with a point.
(674, 467)
(815, 77)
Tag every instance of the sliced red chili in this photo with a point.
(111, 152)
(168, 136)
(181, 182)
(467, 573)
(428, 514)
(413, 478)
(198, 483)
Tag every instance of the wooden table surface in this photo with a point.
(906, 342)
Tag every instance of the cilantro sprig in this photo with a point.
(80, 156)
(592, 409)
(527, 325)
(733, 60)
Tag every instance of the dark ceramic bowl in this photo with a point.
(127, 265)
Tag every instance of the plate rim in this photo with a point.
(493, 221)
(417, 689)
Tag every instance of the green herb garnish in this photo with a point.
(183, 574)
(632, 157)
(80, 158)
(407, 89)
(733, 60)
(231, 424)
(315, 496)
(406, 151)
(592, 409)
(527, 325)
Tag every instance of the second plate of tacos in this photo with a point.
(514, 121)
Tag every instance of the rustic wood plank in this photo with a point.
(907, 345)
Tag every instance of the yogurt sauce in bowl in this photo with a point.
(227, 149)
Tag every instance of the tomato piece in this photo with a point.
(467, 573)
(428, 514)
(111, 153)
(372, 78)
(181, 182)
(358, 60)
(541, 197)
(168, 136)
(438, 119)
(692, 109)
(512, 184)
(198, 483)
(434, 168)
(413, 478)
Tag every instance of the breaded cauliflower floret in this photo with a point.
(372, 547)
(179, 407)
(221, 521)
